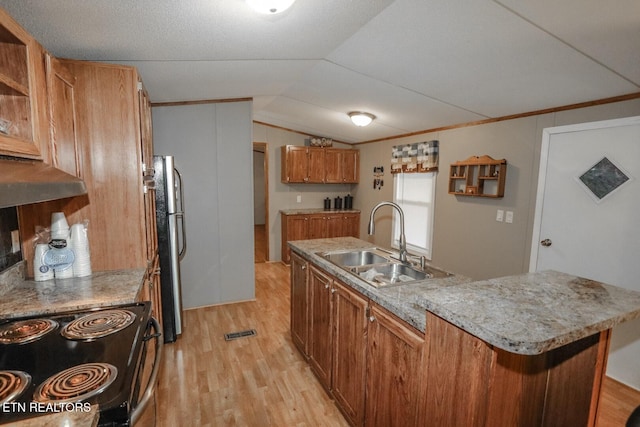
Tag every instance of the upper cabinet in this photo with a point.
(341, 166)
(319, 165)
(23, 121)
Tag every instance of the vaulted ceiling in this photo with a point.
(415, 64)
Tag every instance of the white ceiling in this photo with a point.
(415, 64)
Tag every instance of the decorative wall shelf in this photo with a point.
(479, 176)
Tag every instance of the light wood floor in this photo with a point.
(263, 380)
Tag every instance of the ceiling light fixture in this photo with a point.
(270, 6)
(361, 119)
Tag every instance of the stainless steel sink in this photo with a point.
(380, 268)
(389, 274)
(355, 258)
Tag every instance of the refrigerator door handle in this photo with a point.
(180, 214)
(182, 250)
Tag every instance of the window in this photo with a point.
(415, 193)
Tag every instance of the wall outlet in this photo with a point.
(509, 218)
(15, 241)
(299, 198)
(500, 215)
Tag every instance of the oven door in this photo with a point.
(144, 408)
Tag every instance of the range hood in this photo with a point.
(23, 182)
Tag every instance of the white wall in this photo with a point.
(259, 195)
(212, 145)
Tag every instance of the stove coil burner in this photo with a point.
(98, 324)
(12, 385)
(76, 383)
(25, 331)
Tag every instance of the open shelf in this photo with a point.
(479, 176)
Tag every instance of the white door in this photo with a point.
(587, 221)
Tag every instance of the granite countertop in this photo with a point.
(527, 314)
(67, 419)
(23, 298)
(314, 211)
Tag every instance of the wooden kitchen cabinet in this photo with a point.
(23, 92)
(299, 318)
(65, 152)
(349, 351)
(342, 166)
(320, 325)
(370, 361)
(317, 226)
(110, 144)
(318, 165)
(302, 164)
(394, 366)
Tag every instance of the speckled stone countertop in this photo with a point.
(65, 419)
(527, 314)
(314, 211)
(23, 298)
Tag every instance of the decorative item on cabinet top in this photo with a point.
(416, 157)
(317, 141)
(480, 176)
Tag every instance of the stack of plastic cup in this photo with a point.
(59, 226)
(41, 271)
(79, 244)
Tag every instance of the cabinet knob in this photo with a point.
(333, 291)
(546, 242)
(372, 319)
(326, 286)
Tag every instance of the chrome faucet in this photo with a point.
(403, 241)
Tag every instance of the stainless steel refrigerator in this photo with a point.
(172, 242)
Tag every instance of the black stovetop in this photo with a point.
(53, 353)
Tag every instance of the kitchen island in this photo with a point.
(523, 350)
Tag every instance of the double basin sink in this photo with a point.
(381, 268)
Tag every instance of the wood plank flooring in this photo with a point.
(263, 380)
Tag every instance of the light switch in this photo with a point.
(509, 217)
(299, 198)
(500, 215)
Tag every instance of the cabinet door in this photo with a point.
(333, 165)
(350, 166)
(349, 351)
(62, 110)
(334, 225)
(22, 92)
(294, 227)
(351, 225)
(299, 303)
(296, 164)
(394, 363)
(320, 337)
(317, 226)
(315, 172)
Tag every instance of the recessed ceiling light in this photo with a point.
(270, 6)
(360, 118)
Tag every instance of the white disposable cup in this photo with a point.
(59, 221)
(40, 270)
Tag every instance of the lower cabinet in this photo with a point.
(317, 226)
(365, 357)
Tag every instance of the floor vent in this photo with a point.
(242, 334)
